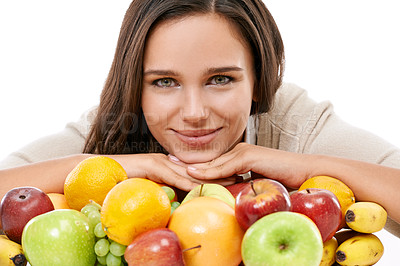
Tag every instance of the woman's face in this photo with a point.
(198, 86)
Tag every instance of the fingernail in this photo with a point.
(191, 168)
(173, 158)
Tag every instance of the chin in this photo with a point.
(197, 157)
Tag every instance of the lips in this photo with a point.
(197, 137)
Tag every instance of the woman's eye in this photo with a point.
(165, 82)
(220, 80)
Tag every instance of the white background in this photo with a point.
(55, 56)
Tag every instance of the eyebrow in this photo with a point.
(209, 71)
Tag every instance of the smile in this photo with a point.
(197, 137)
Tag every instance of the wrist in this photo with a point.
(316, 165)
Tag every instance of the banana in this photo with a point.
(364, 249)
(328, 255)
(11, 253)
(366, 217)
(345, 234)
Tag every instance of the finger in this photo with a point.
(209, 164)
(174, 179)
(176, 160)
(219, 171)
(181, 174)
(215, 162)
(161, 170)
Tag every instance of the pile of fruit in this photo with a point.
(104, 218)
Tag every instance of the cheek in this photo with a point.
(237, 114)
(153, 120)
(152, 112)
(235, 108)
(153, 108)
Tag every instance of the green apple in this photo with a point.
(211, 190)
(282, 238)
(60, 237)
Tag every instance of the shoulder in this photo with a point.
(66, 142)
(83, 124)
(293, 116)
(293, 109)
(293, 99)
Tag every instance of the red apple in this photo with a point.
(18, 206)
(155, 247)
(236, 188)
(259, 198)
(321, 206)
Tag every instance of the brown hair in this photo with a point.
(119, 126)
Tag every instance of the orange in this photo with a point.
(132, 207)
(92, 179)
(59, 201)
(344, 194)
(211, 223)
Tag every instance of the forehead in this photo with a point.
(200, 20)
(199, 33)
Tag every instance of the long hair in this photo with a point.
(119, 126)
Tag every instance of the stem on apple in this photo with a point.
(186, 249)
(201, 189)
(308, 191)
(252, 187)
(283, 246)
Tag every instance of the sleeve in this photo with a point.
(296, 123)
(333, 136)
(70, 140)
(299, 124)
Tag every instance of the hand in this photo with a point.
(291, 169)
(157, 167)
(225, 181)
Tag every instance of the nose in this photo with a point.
(194, 106)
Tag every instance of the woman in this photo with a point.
(195, 95)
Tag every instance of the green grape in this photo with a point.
(174, 205)
(94, 218)
(117, 249)
(98, 231)
(98, 206)
(170, 192)
(88, 209)
(102, 260)
(113, 260)
(102, 247)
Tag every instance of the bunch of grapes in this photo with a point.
(108, 251)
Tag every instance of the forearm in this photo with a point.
(48, 176)
(369, 182)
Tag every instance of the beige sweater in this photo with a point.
(296, 123)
